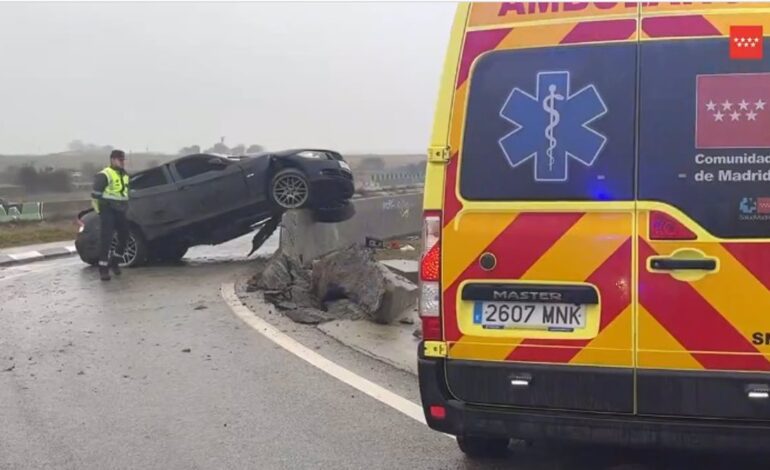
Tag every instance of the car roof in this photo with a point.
(201, 154)
(286, 153)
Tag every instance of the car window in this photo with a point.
(551, 124)
(194, 166)
(149, 179)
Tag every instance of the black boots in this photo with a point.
(114, 266)
(104, 271)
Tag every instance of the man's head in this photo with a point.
(118, 159)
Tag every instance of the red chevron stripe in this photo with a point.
(732, 361)
(613, 279)
(695, 323)
(604, 30)
(529, 351)
(452, 205)
(753, 256)
(517, 248)
(679, 26)
(477, 43)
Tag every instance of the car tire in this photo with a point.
(136, 252)
(339, 212)
(482, 447)
(289, 189)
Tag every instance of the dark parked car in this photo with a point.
(208, 199)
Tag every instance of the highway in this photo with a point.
(154, 370)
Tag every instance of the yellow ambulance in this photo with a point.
(596, 259)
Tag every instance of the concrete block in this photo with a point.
(400, 295)
(380, 217)
(403, 267)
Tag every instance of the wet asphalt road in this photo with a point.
(153, 371)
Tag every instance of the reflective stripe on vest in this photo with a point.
(117, 185)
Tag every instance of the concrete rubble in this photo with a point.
(348, 284)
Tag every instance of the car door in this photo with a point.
(154, 201)
(210, 186)
(704, 218)
(538, 217)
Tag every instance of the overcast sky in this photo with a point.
(350, 76)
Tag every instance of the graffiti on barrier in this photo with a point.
(400, 205)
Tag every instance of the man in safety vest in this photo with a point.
(110, 201)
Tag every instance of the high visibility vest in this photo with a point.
(117, 185)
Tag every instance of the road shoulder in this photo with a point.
(373, 368)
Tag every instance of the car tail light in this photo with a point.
(665, 227)
(430, 276)
(437, 412)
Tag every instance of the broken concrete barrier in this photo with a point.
(285, 283)
(349, 274)
(403, 267)
(381, 217)
(400, 295)
(354, 274)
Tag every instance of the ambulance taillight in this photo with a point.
(430, 276)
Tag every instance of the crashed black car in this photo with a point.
(208, 199)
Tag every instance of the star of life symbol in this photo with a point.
(552, 126)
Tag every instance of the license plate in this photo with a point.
(539, 316)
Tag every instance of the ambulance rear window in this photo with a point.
(551, 124)
(704, 136)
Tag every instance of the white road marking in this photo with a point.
(340, 373)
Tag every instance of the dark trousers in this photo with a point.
(111, 221)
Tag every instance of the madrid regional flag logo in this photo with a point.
(732, 110)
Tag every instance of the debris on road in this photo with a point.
(308, 316)
(186, 350)
(346, 284)
(345, 309)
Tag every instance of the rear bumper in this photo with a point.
(595, 428)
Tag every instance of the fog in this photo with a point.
(357, 77)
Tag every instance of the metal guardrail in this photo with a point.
(27, 212)
(386, 180)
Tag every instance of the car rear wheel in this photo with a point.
(483, 447)
(290, 189)
(136, 251)
(338, 212)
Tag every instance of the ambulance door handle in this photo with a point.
(661, 263)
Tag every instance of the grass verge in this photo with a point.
(31, 233)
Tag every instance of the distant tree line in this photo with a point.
(85, 147)
(35, 180)
(221, 148)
